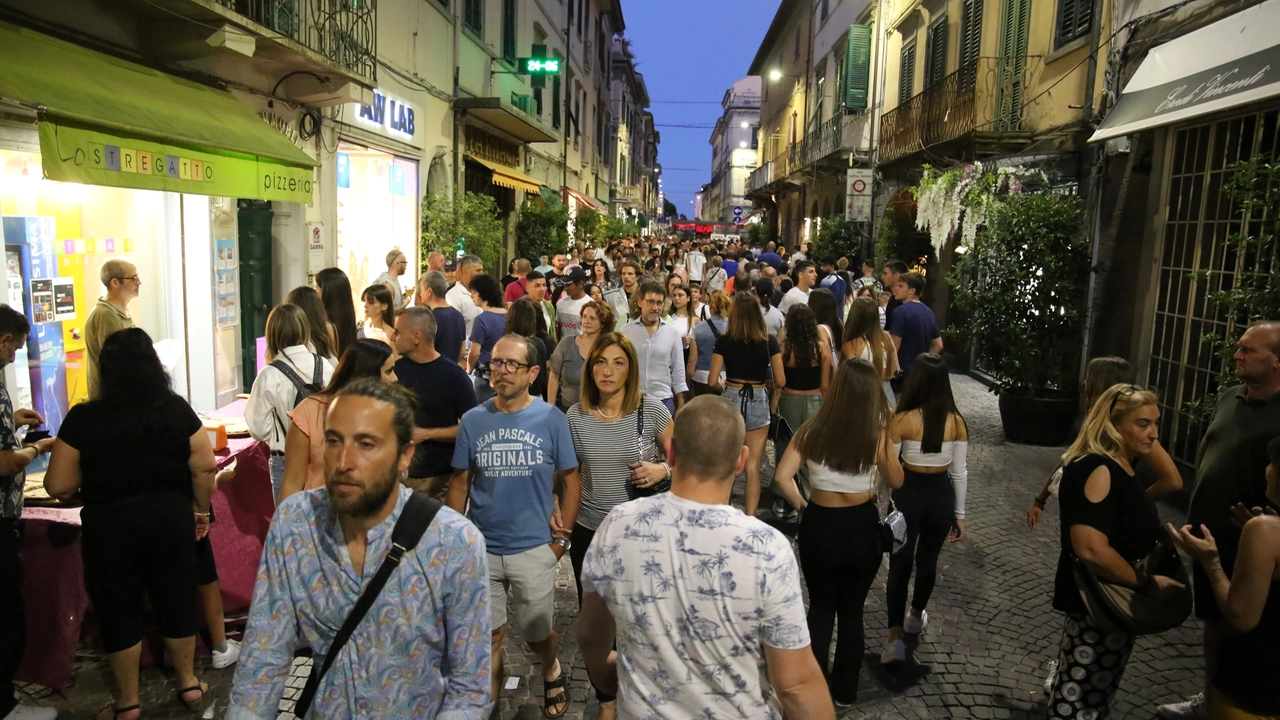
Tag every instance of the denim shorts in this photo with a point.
(753, 402)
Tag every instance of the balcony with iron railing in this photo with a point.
(982, 100)
(342, 32)
(841, 133)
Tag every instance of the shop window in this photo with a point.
(473, 16)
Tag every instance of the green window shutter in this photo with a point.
(857, 75)
(1075, 18)
(907, 73)
(935, 66)
(473, 16)
(971, 32)
(509, 30)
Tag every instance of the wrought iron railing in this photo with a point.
(988, 95)
(344, 32)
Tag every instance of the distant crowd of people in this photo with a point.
(433, 463)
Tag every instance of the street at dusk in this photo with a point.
(601, 359)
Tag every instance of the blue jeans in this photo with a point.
(671, 405)
(277, 474)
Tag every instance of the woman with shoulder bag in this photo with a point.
(747, 353)
(618, 435)
(291, 369)
(933, 439)
(705, 335)
(847, 450)
(1108, 525)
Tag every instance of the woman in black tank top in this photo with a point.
(808, 364)
(1249, 655)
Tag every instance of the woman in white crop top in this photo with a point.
(933, 439)
(865, 338)
(847, 449)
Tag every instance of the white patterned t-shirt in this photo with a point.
(696, 591)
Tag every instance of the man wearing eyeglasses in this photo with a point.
(510, 452)
(660, 349)
(111, 314)
(397, 265)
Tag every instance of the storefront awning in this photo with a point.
(1232, 62)
(107, 121)
(509, 177)
(587, 200)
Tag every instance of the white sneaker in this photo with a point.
(228, 658)
(31, 712)
(1048, 681)
(895, 651)
(1195, 708)
(915, 625)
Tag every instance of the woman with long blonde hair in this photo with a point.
(1108, 524)
(865, 338)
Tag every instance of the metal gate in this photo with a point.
(1198, 220)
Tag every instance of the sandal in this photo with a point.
(117, 712)
(561, 697)
(193, 704)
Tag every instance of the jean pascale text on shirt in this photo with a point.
(509, 452)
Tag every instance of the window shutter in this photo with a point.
(509, 30)
(857, 74)
(971, 33)
(1075, 18)
(906, 73)
(473, 16)
(936, 63)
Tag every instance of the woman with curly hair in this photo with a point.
(808, 362)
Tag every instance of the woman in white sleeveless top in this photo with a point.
(865, 339)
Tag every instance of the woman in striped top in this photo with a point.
(618, 435)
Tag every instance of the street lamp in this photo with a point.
(775, 75)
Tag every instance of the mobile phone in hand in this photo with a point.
(35, 436)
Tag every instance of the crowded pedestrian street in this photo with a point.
(986, 653)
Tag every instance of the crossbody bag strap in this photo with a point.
(419, 511)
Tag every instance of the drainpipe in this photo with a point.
(1093, 162)
(568, 104)
(458, 179)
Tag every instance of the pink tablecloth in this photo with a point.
(54, 575)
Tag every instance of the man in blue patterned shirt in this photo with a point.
(423, 649)
(703, 602)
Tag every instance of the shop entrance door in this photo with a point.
(255, 281)
(1197, 228)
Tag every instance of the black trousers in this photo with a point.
(840, 555)
(928, 503)
(579, 541)
(13, 628)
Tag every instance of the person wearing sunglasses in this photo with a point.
(397, 266)
(511, 452)
(111, 314)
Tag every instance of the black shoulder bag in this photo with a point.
(663, 485)
(419, 511)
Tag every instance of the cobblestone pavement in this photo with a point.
(984, 654)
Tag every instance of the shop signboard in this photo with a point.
(98, 158)
(387, 115)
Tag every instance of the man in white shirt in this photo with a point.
(694, 261)
(805, 276)
(459, 296)
(569, 309)
(703, 602)
(659, 349)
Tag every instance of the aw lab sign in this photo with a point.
(390, 116)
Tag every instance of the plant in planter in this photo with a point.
(1020, 280)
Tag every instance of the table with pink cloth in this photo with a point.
(54, 589)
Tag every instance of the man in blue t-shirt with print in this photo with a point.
(913, 326)
(508, 454)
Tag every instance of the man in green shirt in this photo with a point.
(1231, 469)
(111, 314)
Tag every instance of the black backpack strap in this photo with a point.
(317, 377)
(419, 511)
(298, 383)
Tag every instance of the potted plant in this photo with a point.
(1020, 281)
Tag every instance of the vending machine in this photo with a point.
(37, 378)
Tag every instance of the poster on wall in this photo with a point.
(228, 305)
(42, 300)
(64, 298)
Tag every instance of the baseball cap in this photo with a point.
(576, 274)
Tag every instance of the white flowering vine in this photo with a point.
(962, 198)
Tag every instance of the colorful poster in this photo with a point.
(228, 305)
(42, 300)
(64, 298)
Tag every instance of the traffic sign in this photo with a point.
(857, 205)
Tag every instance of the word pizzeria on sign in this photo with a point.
(120, 159)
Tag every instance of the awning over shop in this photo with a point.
(509, 177)
(1232, 62)
(587, 200)
(106, 121)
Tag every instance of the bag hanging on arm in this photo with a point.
(419, 511)
(663, 485)
(1117, 608)
(302, 388)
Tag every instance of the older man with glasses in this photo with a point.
(509, 455)
(659, 349)
(111, 314)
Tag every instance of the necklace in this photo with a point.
(614, 416)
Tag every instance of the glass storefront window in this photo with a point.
(377, 212)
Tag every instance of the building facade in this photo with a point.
(734, 149)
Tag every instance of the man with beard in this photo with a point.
(510, 452)
(422, 652)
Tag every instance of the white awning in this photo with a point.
(1232, 62)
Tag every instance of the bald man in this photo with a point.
(111, 314)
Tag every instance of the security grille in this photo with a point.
(1199, 219)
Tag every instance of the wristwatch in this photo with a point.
(562, 542)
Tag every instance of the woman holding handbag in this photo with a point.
(1108, 525)
(934, 442)
(847, 450)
